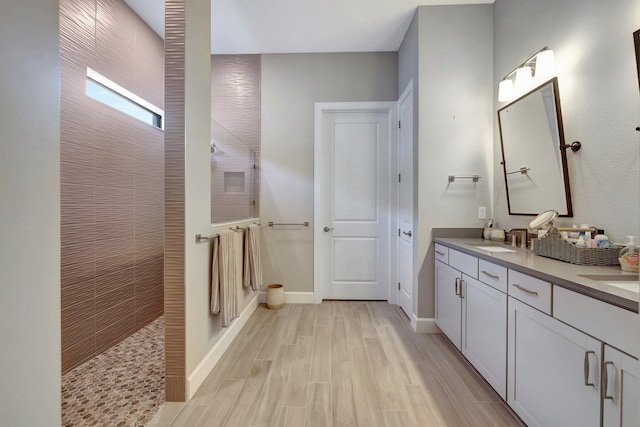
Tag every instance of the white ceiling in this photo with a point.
(294, 26)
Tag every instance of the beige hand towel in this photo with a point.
(252, 258)
(215, 278)
(228, 278)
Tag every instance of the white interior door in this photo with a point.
(353, 203)
(405, 202)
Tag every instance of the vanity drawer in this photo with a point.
(532, 291)
(462, 262)
(493, 275)
(613, 325)
(442, 253)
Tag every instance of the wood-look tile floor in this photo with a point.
(340, 363)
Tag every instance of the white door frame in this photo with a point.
(391, 109)
(406, 93)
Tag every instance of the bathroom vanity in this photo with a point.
(559, 342)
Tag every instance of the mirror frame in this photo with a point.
(563, 152)
(636, 42)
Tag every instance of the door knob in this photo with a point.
(407, 233)
(327, 229)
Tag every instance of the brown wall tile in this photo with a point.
(109, 300)
(102, 152)
(109, 282)
(115, 313)
(113, 264)
(78, 353)
(71, 194)
(114, 333)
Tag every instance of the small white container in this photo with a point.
(497, 234)
(275, 296)
(602, 241)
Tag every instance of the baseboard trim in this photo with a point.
(425, 325)
(204, 368)
(291, 297)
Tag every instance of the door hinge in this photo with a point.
(398, 285)
(399, 177)
(398, 232)
(399, 125)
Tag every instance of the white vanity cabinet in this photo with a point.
(553, 370)
(620, 389)
(448, 284)
(560, 358)
(473, 314)
(484, 331)
(448, 302)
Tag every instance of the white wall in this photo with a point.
(29, 214)
(291, 84)
(595, 59)
(199, 332)
(455, 66)
(203, 329)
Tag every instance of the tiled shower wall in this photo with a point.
(235, 109)
(111, 180)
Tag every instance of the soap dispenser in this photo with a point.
(629, 256)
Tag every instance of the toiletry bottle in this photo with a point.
(573, 235)
(602, 241)
(580, 243)
(630, 256)
(587, 235)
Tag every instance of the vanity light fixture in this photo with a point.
(534, 71)
(505, 90)
(524, 79)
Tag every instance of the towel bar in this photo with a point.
(474, 178)
(271, 223)
(200, 237)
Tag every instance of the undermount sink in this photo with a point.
(493, 247)
(628, 282)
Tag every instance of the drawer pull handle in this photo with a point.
(587, 368)
(440, 253)
(457, 283)
(523, 289)
(490, 275)
(605, 379)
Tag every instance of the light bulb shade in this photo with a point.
(545, 66)
(524, 79)
(505, 90)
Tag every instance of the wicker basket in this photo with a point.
(552, 245)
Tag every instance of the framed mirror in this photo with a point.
(636, 42)
(534, 164)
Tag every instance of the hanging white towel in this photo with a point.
(215, 278)
(252, 259)
(228, 279)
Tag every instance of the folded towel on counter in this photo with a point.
(252, 259)
(226, 298)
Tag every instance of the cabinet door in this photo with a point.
(448, 302)
(484, 331)
(621, 389)
(553, 370)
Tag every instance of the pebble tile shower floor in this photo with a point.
(124, 386)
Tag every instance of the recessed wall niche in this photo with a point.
(234, 182)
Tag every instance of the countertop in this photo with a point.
(557, 272)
